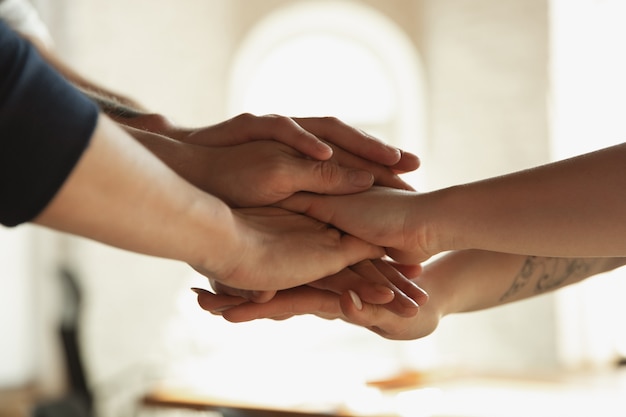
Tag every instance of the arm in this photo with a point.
(122, 195)
(458, 282)
(311, 136)
(571, 208)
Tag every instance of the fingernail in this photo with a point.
(324, 147)
(199, 291)
(356, 300)
(384, 290)
(360, 178)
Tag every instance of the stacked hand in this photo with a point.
(253, 162)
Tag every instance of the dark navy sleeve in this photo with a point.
(45, 125)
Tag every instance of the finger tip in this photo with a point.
(356, 300)
(323, 151)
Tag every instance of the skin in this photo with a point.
(570, 208)
(251, 161)
(457, 282)
(318, 138)
(119, 187)
(511, 237)
(259, 173)
(358, 283)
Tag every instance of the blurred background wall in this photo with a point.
(476, 100)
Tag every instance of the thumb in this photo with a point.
(327, 177)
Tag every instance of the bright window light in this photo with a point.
(322, 74)
(333, 59)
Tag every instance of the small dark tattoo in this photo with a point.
(549, 273)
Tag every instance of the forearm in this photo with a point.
(474, 280)
(118, 187)
(573, 208)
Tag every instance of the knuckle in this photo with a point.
(329, 172)
(280, 121)
(331, 120)
(245, 117)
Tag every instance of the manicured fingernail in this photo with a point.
(360, 178)
(356, 300)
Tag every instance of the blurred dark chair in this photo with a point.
(78, 402)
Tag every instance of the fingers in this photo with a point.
(254, 296)
(309, 300)
(351, 139)
(409, 271)
(406, 286)
(286, 303)
(371, 287)
(406, 257)
(374, 317)
(377, 282)
(310, 204)
(407, 163)
(383, 175)
(327, 177)
(216, 303)
(403, 305)
(248, 127)
(356, 250)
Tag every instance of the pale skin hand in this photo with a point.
(380, 215)
(571, 208)
(263, 172)
(316, 137)
(313, 136)
(458, 282)
(247, 129)
(280, 249)
(122, 195)
(374, 282)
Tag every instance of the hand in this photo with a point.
(359, 143)
(318, 138)
(277, 249)
(373, 281)
(383, 216)
(264, 172)
(310, 136)
(328, 304)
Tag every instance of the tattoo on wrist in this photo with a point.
(547, 274)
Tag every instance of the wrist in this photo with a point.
(219, 243)
(430, 220)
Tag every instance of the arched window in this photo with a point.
(333, 59)
(319, 59)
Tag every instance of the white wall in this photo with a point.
(17, 337)
(486, 70)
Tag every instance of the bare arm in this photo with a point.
(458, 282)
(122, 195)
(575, 207)
(571, 208)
